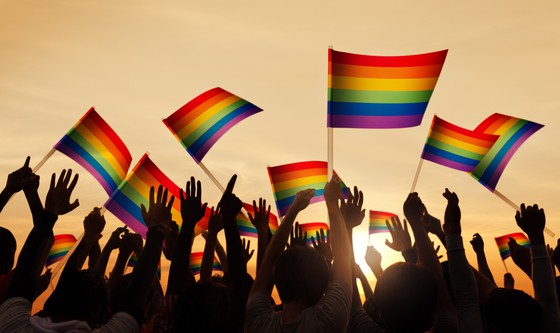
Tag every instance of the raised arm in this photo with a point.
(112, 244)
(401, 239)
(214, 226)
(478, 246)
(260, 222)
(532, 220)
(94, 224)
(192, 211)
(462, 278)
(15, 183)
(373, 260)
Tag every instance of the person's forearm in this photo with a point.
(208, 257)
(180, 274)
(78, 257)
(101, 265)
(368, 292)
(237, 265)
(483, 266)
(34, 202)
(261, 246)
(545, 288)
(222, 256)
(5, 196)
(119, 268)
(340, 244)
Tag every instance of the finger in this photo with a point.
(73, 205)
(164, 198)
(73, 183)
(151, 196)
(26, 164)
(389, 244)
(67, 178)
(171, 201)
(188, 189)
(53, 180)
(361, 199)
(255, 205)
(389, 227)
(159, 194)
(405, 226)
(313, 242)
(231, 184)
(61, 178)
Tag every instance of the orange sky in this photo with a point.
(138, 61)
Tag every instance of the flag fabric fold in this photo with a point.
(367, 91)
(512, 132)
(288, 179)
(93, 144)
(134, 191)
(456, 147)
(61, 246)
(201, 122)
(503, 243)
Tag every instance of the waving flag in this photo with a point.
(125, 202)
(196, 263)
(456, 147)
(245, 226)
(202, 121)
(312, 228)
(503, 241)
(61, 246)
(512, 133)
(368, 91)
(377, 221)
(288, 179)
(94, 145)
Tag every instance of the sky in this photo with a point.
(139, 61)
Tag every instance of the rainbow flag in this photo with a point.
(288, 179)
(134, 260)
(368, 91)
(312, 228)
(94, 145)
(202, 121)
(245, 226)
(125, 202)
(61, 246)
(503, 241)
(196, 263)
(512, 133)
(456, 147)
(377, 221)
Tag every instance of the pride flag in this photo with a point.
(377, 221)
(94, 145)
(312, 228)
(196, 263)
(512, 133)
(202, 121)
(456, 147)
(503, 241)
(61, 246)
(368, 91)
(125, 202)
(288, 179)
(245, 226)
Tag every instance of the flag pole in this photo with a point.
(40, 164)
(329, 129)
(517, 208)
(505, 266)
(211, 176)
(417, 174)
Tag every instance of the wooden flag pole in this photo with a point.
(211, 176)
(505, 266)
(417, 174)
(329, 153)
(517, 208)
(40, 164)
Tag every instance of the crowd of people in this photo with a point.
(317, 285)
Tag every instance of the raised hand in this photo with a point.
(452, 224)
(247, 249)
(58, 196)
(432, 224)
(116, 238)
(298, 237)
(134, 242)
(521, 256)
(192, 208)
(321, 244)
(509, 281)
(352, 209)
(171, 240)
(303, 198)
(230, 205)
(215, 223)
(436, 250)
(401, 238)
(94, 224)
(18, 179)
(477, 243)
(532, 220)
(413, 208)
(262, 216)
(333, 190)
(373, 260)
(158, 213)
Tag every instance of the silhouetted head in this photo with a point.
(301, 274)
(81, 295)
(7, 250)
(406, 298)
(207, 307)
(511, 310)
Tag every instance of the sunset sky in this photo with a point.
(139, 61)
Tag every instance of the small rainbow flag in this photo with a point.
(94, 145)
(245, 226)
(512, 133)
(312, 228)
(196, 263)
(125, 202)
(456, 147)
(61, 246)
(368, 91)
(377, 221)
(503, 241)
(134, 260)
(202, 121)
(288, 179)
